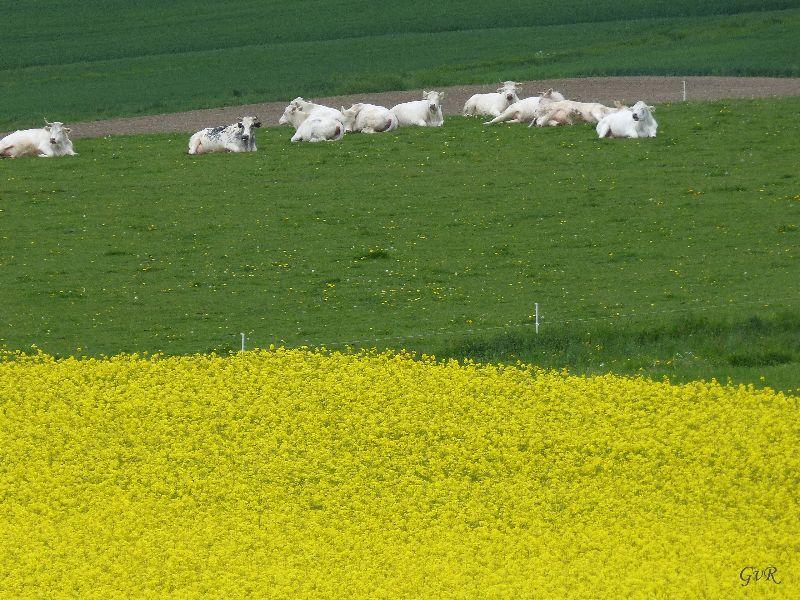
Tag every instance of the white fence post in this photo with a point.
(536, 308)
(684, 90)
(242, 342)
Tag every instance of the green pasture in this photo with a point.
(669, 256)
(76, 61)
(102, 29)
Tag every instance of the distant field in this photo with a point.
(676, 255)
(99, 59)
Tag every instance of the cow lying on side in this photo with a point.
(492, 104)
(634, 122)
(524, 111)
(568, 112)
(425, 113)
(49, 141)
(238, 137)
(298, 110)
(319, 129)
(368, 118)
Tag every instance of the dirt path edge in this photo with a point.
(598, 89)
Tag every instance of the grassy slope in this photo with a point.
(138, 58)
(135, 246)
(83, 32)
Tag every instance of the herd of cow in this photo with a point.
(316, 123)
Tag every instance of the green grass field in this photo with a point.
(669, 256)
(106, 59)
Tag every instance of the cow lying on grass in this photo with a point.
(298, 110)
(425, 113)
(368, 118)
(567, 112)
(492, 104)
(319, 129)
(238, 137)
(524, 111)
(49, 141)
(634, 122)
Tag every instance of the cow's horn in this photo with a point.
(46, 122)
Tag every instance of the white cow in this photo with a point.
(49, 141)
(524, 111)
(425, 113)
(319, 129)
(299, 110)
(493, 104)
(634, 122)
(567, 112)
(368, 118)
(238, 137)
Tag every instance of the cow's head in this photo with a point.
(246, 126)
(509, 90)
(349, 116)
(552, 95)
(293, 108)
(289, 112)
(58, 133)
(434, 100)
(641, 112)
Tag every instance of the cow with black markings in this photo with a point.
(237, 137)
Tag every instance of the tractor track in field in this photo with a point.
(599, 89)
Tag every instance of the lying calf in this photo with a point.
(319, 129)
(368, 118)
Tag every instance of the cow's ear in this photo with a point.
(441, 96)
(47, 127)
(652, 108)
(240, 126)
(67, 129)
(424, 93)
(257, 124)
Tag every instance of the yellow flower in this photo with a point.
(298, 473)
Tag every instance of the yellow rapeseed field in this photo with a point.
(309, 474)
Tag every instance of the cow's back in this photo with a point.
(25, 142)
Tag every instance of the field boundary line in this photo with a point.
(543, 323)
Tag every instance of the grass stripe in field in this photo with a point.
(83, 32)
(296, 473)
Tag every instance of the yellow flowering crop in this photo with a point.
(300, 474)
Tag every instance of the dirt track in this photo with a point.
(600, 89)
